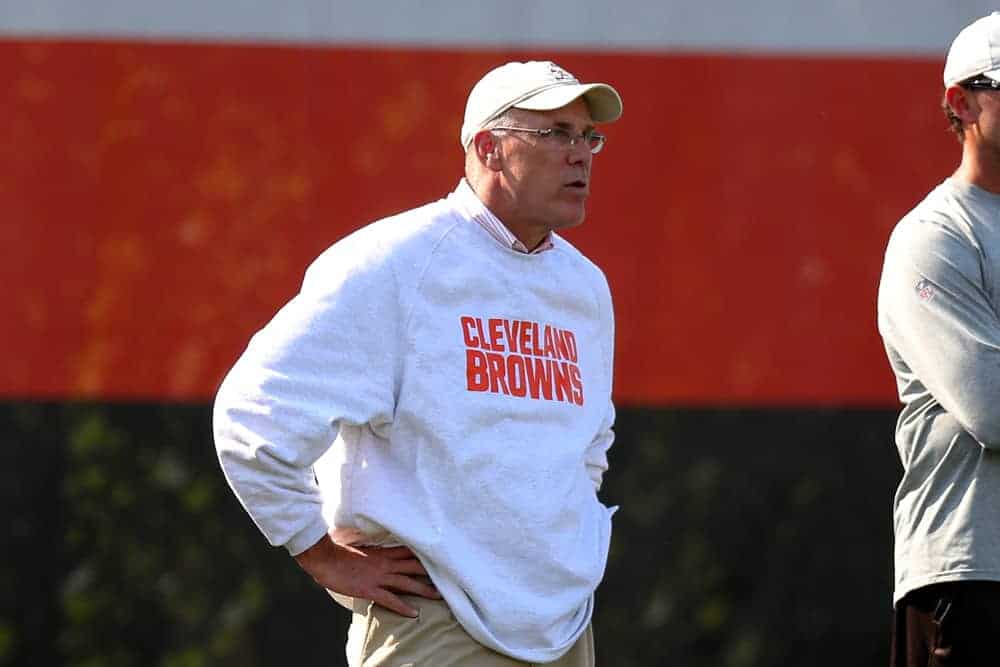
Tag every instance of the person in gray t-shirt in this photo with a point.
(939, 317)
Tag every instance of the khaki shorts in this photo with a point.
(381, 638)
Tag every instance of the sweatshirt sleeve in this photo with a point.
(597, 452)
(937, 314)
(327, 358)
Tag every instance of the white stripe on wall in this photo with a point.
(923, 27)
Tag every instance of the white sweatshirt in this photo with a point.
(451, 394)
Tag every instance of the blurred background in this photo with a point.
(168, 170)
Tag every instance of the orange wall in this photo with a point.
(160, 201)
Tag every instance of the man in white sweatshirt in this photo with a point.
(424, 427)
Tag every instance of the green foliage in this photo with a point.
(156, 577)
(744, 539)
(127, 548)
(6, 639)
(748, 538)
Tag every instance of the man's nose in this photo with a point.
(579, 151)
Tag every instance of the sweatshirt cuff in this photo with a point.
(307, 537)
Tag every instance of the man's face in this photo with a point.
(547, 183)
(987, 103)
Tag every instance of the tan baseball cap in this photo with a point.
(976, 50)
(536, 85)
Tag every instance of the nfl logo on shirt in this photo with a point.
(925, 290)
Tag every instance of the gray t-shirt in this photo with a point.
(939, 317)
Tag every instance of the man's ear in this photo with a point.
(962, 103)
(487, 149)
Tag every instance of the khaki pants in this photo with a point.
(381, 638)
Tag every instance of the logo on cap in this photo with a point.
(559, 74)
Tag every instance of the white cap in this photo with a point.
(537, 85)
(976, 50)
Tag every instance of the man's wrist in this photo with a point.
(308, 536)
(318, 551)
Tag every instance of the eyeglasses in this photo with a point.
(980, 83)
(562, 138)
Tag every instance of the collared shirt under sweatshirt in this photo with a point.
(450, 394)
(939, 316)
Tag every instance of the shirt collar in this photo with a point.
(476, 210)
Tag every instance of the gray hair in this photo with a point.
(505, 118)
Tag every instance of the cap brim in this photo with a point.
(956, 80)
(603, 101)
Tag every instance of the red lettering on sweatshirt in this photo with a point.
(570, 341)
(468, 324)
(564, 387)
(540, 378)
(524, 342)
(475, 371)
(577, 381)
(516, 375)
(522, 359)
(534, 341)
(479, 331)
(498, 374)
(510, 328)
(495, 328)
(549, 350)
